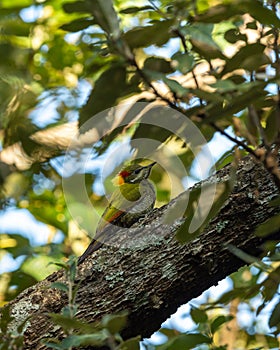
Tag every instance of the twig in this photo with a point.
(156, 8)
(156, 92)
(183, 41)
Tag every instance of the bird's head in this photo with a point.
(133, 174)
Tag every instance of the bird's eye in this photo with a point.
(137, 171)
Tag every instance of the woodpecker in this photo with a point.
(134, 197)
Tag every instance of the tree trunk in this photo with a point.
(152, 280)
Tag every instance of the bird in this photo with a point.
(133, 198)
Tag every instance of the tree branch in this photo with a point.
(152, 280)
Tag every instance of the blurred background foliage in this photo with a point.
(62, 62)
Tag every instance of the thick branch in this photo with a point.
(151, 281)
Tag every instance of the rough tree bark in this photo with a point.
(151, 281)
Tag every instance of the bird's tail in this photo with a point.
(101, 238)
(94, 245)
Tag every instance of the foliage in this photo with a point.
(77, 332)
(215, 62)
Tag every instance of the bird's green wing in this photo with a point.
(121, 201)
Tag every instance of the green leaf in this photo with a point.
(15, 27)
(249, 259)
(271, 284)
(53, 345)
(217, 14)
(106, 16)
(77, 6)
(95, 339)
(135, 9)
(114, 323)
(130, 344)
(60, 264)
(252, 25)
(244, 278)
(18, 245)
(185, 341)
(274, 320)
(19, 281)
(200, 35)
(198, 315)
(68, 310)
(254, 62)
(233, 35)
(260, 12)
(272, 125)
(275, 202)
(21, 327)
(184, 62)
(158, 64)
(227, 158)
(175, 87)
(72, 267)
(219, 321)
(224, 85)
(201, 32)
(149, 129)
(208, 96)
(218, 110)
(61, 53)
(48, 214)
(108, 88)
(272, 341)
(39, 266)
(16, 4)
(249, 57)
(70, 323)
(60, 286)
(6, 318)
(242, 293)
(169, 333)
(78, 24)
(156, 34)
(199, 211)
(269, 226)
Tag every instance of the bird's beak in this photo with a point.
(151, 165)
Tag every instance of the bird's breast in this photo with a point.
(146, 200)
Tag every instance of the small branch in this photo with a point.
(233, 139)
(156, 92)
(183, 41)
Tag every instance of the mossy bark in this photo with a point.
(152, 280)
